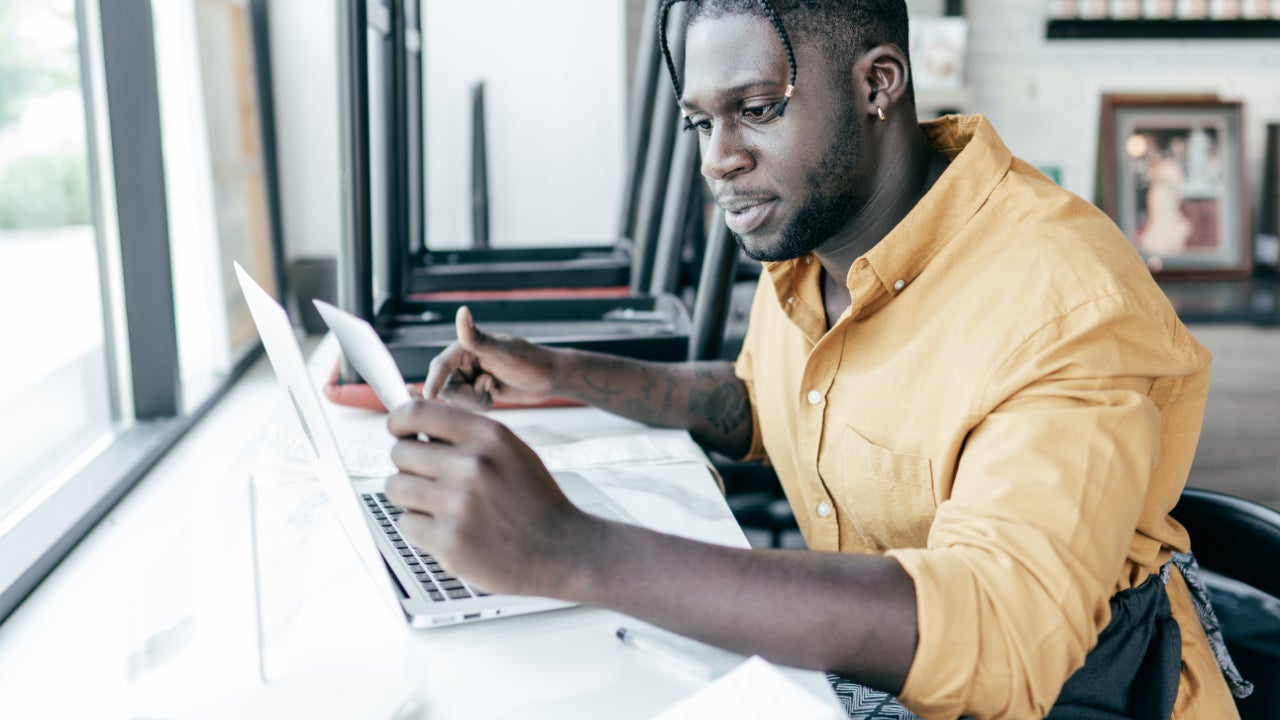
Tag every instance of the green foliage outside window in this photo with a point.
(37, 189)
(44, 191)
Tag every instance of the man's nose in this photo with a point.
(724, 156)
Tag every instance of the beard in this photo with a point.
(831, 200)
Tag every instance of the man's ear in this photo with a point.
(883, 76)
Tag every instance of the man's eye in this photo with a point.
(702, 126)
(761, 112)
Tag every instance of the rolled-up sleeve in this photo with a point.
(1022, 558)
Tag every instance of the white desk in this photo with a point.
(158, 615)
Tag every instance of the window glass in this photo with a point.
(216, 181)
(55, 392)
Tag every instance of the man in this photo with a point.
(979, 404)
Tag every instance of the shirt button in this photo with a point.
(824, 509)
(899, 285)
(815, 397)
(791, 300)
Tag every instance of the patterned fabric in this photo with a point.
(1190, 569)
(862, 703)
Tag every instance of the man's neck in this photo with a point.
(900, 184)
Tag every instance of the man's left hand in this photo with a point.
(481, 502)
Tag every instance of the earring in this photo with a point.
(880, 113)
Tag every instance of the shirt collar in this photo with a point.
(978, 159)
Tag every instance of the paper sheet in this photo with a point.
(755, 690)
(288, 445)
(652, 448)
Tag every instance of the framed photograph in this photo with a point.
(1172, 177)
(939, 50)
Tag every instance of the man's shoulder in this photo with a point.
(1058, 243)
(1036, 255)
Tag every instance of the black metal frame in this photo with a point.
(479, 170)
(1161, 29)
(664, 123)
(661, 220)
(399, 24)
(404, 131)
(644, 85)
(640, 214)
(355, 274)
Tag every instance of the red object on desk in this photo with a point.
(360, 395)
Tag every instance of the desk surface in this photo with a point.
(223, 587)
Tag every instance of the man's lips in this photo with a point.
(746, 213)
(740, 203)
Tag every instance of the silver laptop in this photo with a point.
(411, 582)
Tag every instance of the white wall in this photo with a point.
(304, 63)
(1044, 96)
(555, 76)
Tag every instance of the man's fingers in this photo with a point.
(456, 362)
(442, 367)
(435, 460)
(419, 529)
(470, 395)
(439, 421)
(469, 336)
(413, 493)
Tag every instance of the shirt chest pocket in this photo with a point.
(887, 495)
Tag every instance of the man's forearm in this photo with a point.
(850, 614)
(705, 398)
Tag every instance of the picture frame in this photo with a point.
(1267, 250)
(1172, 176)
(939, 52)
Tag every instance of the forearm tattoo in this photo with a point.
(725, 407)
(604, 388)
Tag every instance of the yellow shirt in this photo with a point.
(1009, 407)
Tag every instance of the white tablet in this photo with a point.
(367, 353)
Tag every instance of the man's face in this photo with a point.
(789, 183)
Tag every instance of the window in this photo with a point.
(55, 396)
(96, 380)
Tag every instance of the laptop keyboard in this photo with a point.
(436, 582)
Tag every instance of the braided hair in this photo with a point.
(843, 28)
(770, 11)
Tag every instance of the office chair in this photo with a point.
(1238, 542)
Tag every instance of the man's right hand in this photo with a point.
(705, 398)
(479, 369)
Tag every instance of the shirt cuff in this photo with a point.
(939, 684)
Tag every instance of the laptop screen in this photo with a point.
(291, 370)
